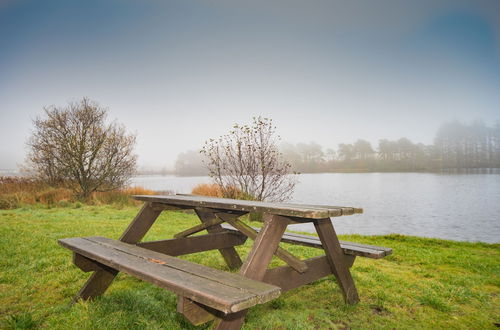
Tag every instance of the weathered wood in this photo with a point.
(195, 313)
(281, 253)
(96, 285)
(287, 278)
(231, 257)
(85, 264)
(196, 229)
(220, 290)
(335, 256)
(141, 224)
(349, 248)
(208, 272)
(293, 210)
(255, 266)
(186, 245)
(99, 281)
(165, 207)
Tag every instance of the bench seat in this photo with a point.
(223, 291)
(349, 248)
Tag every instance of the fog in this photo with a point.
(181, 72)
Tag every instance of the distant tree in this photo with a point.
(346, 152)
(291, 155)
(74, 145)
(247, 160)
(330, 155)
(190, 163)
(495, 142)
(362, 149)
(385, 150)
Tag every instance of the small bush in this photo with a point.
(120, 197)
(137, 191)
(10, 185)
(9, 201)
(207, 189)
(214, 190)
(51, 196)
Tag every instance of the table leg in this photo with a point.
(255, 266)
(100, 280)
(336, 257)
(195, 313)
(230, 255)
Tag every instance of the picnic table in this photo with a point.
(205, 293)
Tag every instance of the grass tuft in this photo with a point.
(21, 321)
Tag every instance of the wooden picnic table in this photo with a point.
(205, 293)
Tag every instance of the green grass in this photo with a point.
(426, 283)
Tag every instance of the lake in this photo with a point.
(464, 207)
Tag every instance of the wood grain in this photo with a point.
(294, 210)
(220, 290)
(335, 257)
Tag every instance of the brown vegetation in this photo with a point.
(215, 190)
(207, 189)
(18, 191)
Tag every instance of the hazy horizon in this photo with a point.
(181, 72)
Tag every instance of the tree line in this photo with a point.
(456, 146)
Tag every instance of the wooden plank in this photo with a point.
(99, 281)
(231, 257)
(141, 224)
(281, 253)
(255, 266)
(346, 210)
(165, 207)
(293, 210)
(214, 274)
(194, 312)
(96, 285)
(196, 229)
(349, 248)
(226, 292)
(85, 264)
(186, 245)
(335, 256)
(287, 278)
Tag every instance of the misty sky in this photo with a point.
(180, 72)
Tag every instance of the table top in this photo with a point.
(285, 209)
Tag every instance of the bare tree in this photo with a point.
(74, 145)
(247, 160)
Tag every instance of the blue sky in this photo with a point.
(180, 72)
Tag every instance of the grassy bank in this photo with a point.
(426, 283)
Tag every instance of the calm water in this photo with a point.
(462, 207)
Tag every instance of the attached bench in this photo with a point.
(349, 248)
(223, 291)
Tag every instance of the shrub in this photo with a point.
(51, 196)
(9, 201)
(121, 196)
(9, 185)
(207, 189)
